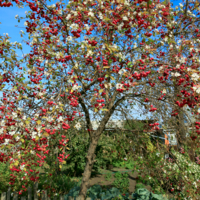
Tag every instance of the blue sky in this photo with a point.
(8, 23)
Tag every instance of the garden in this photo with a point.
(118, 167)
(100, 59)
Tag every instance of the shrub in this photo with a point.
(4, 177)
(107, 151)
(175, 178)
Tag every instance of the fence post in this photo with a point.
(61, 197)
(35, 191)
(23, 198)
(3, 196)
(8, 193)
(44, 195)
(15, 196)
(29, 193)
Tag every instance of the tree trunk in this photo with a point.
(88, 168)
(191, 150)
(94, 138)
(180, 125)
(181, 137)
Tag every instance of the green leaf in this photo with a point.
(150, 40)
(130, 64)
(110, 61)
(27, 122)
(165, 2)
(149, 3)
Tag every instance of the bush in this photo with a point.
(4, 177)
(171, 177)
(107, 152)
(75, 163)
(60, 184)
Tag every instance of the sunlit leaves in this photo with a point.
(130, 64)
(109, 61)
(38, 122)
(45, 134)
(112, 78)
(93, 99)
(104, 109)
(101, 90)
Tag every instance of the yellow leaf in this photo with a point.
(104, 109)
(106, 18)
(108, 48)
(3, 146)
(53, 109)
(64, 162)
(152, 49)
(67, 148)
(27, 122)
(36, 138)
(16, 163)
(133, 84)
(120, 1)
(101, 90)
(113, 49)
(22, 140)
(112, 78)
(106, 67)
(38, 122)
(46, 165)
(60, 166)
(45, 134)
(93, 99)
(95, 110)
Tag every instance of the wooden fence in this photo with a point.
(33, 195)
